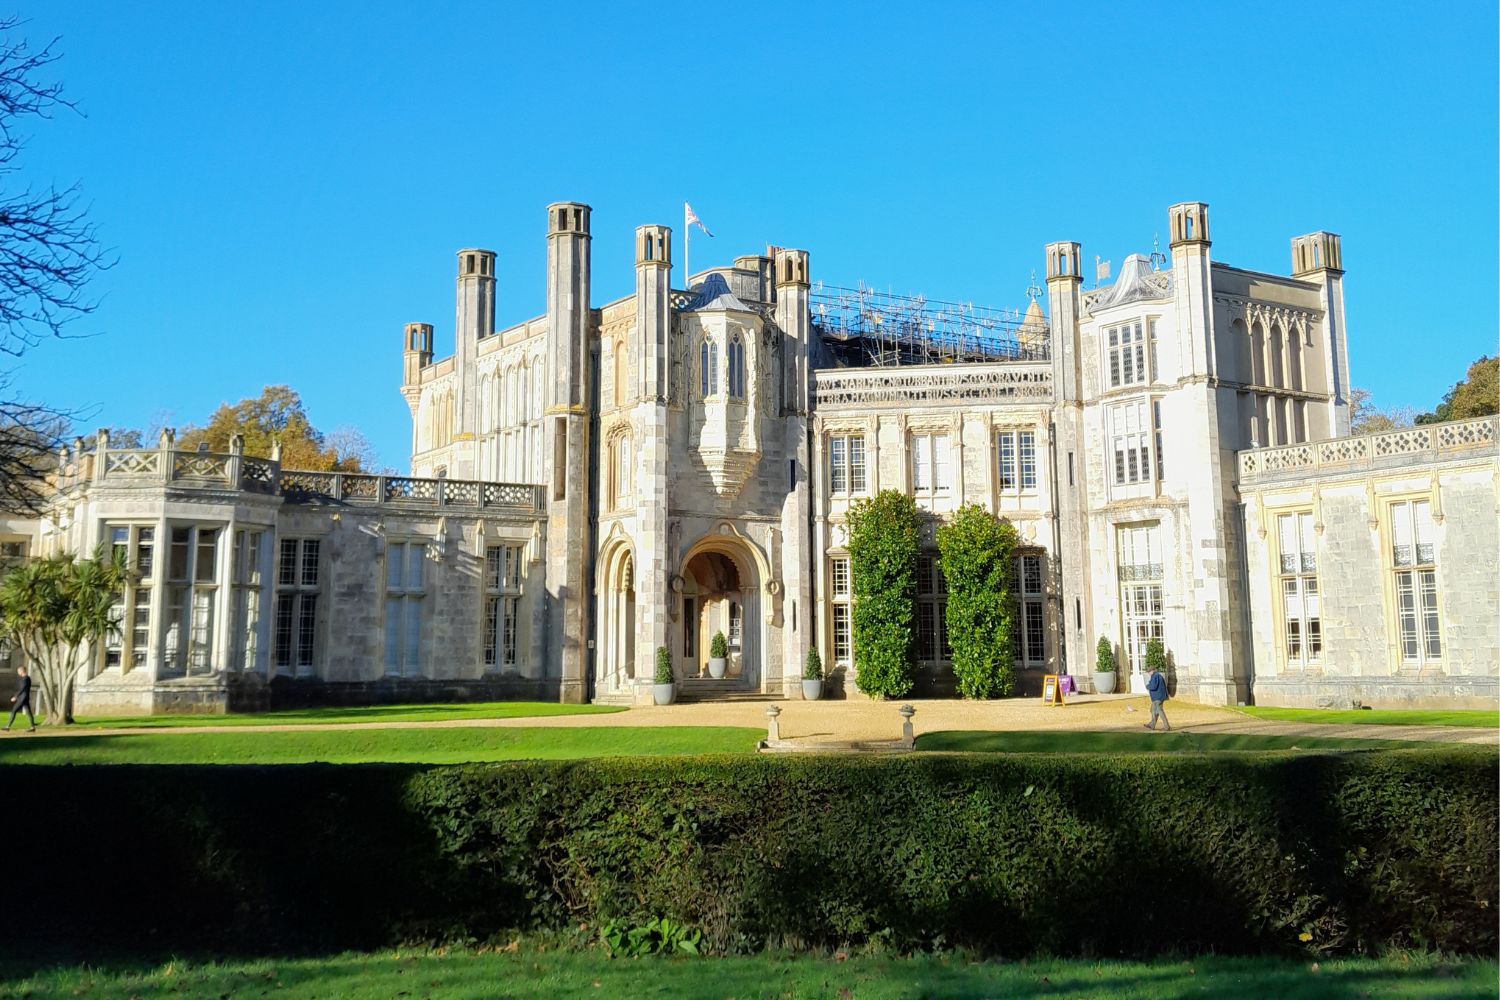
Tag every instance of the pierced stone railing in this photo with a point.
(1370, 451)
(165, 466)
(1000, 382)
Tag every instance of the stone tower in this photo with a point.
(1197, 417)
(1076, 618)
(1319, 258)
(416, 354)
(474, 319)
(794, 318)
(653, 563)
(566, 419)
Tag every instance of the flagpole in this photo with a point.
(687, 236)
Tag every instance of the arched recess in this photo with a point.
(1278, 370)
(724, 581)
(1257, 354)
(616, 663)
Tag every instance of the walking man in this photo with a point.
(22, 699)
(1156, 687)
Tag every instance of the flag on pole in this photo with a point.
(690, 218)
(1101, 269)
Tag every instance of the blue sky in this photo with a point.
(286, 184)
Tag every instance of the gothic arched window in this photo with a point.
(736, 367)
(708, 369)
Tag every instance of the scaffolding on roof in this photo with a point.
(863, 327)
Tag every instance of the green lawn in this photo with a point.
(371, 713)
(979, 741)
(1378, 716)
(364, 746)
(528, 973)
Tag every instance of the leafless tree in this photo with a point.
(49, 251)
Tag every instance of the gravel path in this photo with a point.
(858, 720)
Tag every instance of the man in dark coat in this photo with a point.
(1156, 687)
(22, 699)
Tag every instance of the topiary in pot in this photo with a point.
(1104, 666)
(812, 676)
(718, 656)
(665, 688)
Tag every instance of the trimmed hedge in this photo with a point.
(1013, 855)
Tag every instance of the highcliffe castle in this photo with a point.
(592, 484)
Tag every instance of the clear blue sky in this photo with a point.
(285, 184)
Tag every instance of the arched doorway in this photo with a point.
(616, 660)
(721, 593)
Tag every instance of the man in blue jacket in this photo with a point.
(1156, 687)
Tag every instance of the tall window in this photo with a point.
(1161, 474)
(1140, 588)
(932, 603)
(1414, 561)
(1127, 354)
(1131, 433)
(929, 464)
(619, 471)
(1299, 589)
(192, 596)
(1029, 635)
(246, 568)
(1017, 461)
(736, 624)
(404, 591)
(294, 651)
(736, 367)
(843, 645)
(502, 605)
(128, 645)
(846, 463)
(708, 369)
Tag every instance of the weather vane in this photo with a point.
(1157, 257)
(1033, 291)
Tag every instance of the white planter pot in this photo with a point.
(1104, 681)
(812, 690)
(663, 693)
(717, 667)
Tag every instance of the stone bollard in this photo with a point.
(773, 728)
(908, 735)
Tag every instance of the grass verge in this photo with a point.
(525, 973)
(368, 713)
(365, 746)
(1184, 741)
(1377, 716)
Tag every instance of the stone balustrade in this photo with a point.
(1371, 451)
(166, 466)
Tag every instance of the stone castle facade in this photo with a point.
(601, 481)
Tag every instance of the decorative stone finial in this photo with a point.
(908, 735)
(773, 727)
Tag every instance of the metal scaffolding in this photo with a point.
(864, 328)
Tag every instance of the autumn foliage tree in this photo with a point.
(277, 414)
(1477, 394)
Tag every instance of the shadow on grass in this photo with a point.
(365, 713)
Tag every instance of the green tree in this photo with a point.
(976, 548)
(1477, 394)
(883, 536)
(277, 414)
(55, 610)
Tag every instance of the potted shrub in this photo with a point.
(665, 688)
(812, 676)
(1104, 667)
(718, 656)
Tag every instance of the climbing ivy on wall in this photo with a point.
(976, 549)
(883, 537)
